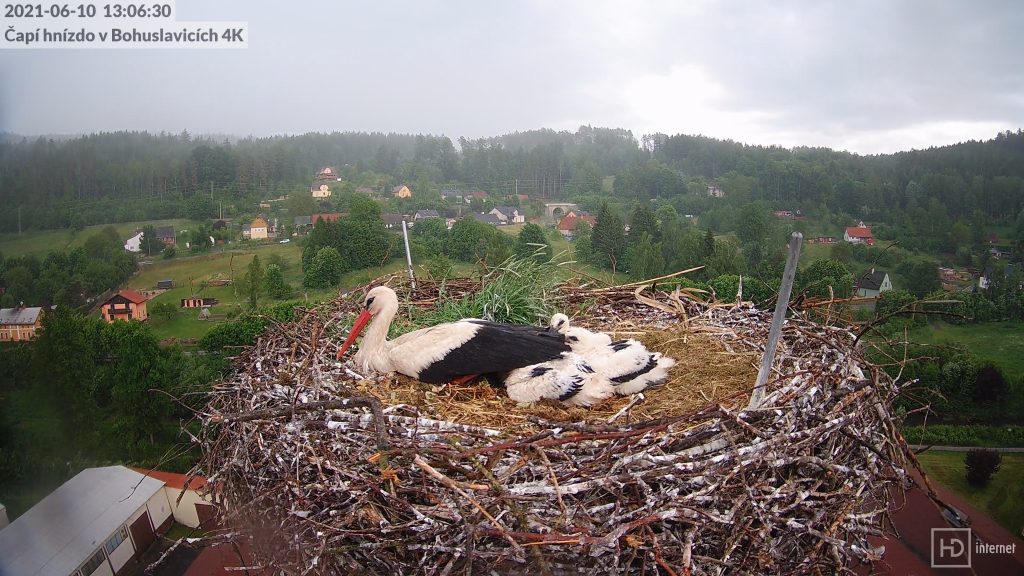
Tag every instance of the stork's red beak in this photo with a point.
(360, 323)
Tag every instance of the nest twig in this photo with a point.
(324, 481)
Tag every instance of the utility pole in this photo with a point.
(19, 219)
(408, 254)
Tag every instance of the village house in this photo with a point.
(258, 229)
(509, 214)
(165, 234)
(134, 244)
(19, 323)
(715, 192)
(452, 195)
(392, 220)
(401, 191)
(859, 234)
(990, 275)
(872, 283)
(488, 219)
(125, 305)
(366, 190)
(301, 224)
(196, 302)
(476, 195)
(327, 174)
(320, 190)
(425, 215)
(98, 521)
(328, 217)
(567, 225)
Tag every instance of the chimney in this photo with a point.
(872, 271)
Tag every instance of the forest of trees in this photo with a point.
(139, 176)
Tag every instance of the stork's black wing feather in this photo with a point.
(496, 348)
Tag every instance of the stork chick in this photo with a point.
(627, 364)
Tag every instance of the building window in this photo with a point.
(120, 536)
(94, 562)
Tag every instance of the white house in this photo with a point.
(91, 526)
(134, 244)
(509, 214)
(873, 282)
(95, 523)
(193, 509)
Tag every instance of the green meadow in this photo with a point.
(1002, 499)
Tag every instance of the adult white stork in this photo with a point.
(627, 364)
(534, 363)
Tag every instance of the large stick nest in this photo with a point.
(329, 472)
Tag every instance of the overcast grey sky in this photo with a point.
(866, 76)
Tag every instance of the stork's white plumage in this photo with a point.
(627, 364)
(534, 363)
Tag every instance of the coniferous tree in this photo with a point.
(608, 239)
(254, 281)
(643, 222)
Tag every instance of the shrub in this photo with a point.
(981, 464)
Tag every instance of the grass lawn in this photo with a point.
(999, 342)
(39, 242)
(1003, 498)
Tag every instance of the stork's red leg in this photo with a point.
(463, 379)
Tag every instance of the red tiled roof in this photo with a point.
(217, 560)
(173, 479)
(331, 217)
(858, 232)
(132, 296)
(569, 222)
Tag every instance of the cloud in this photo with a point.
(868, 76)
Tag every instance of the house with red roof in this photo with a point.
(188, 506)
(859, 234)
(330, 217)
(567, 225)
(125, 305)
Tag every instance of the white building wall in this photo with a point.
(185, 511)
(134, 244)
(122, 554)
(135, 516)
(159, 509)
(103, 570)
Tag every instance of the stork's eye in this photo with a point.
(368, 302)
(573, 339)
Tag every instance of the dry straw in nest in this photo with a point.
(331, 473)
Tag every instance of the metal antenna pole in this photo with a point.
(408, 254)
(795, 241)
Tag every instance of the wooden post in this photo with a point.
(781, 305)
